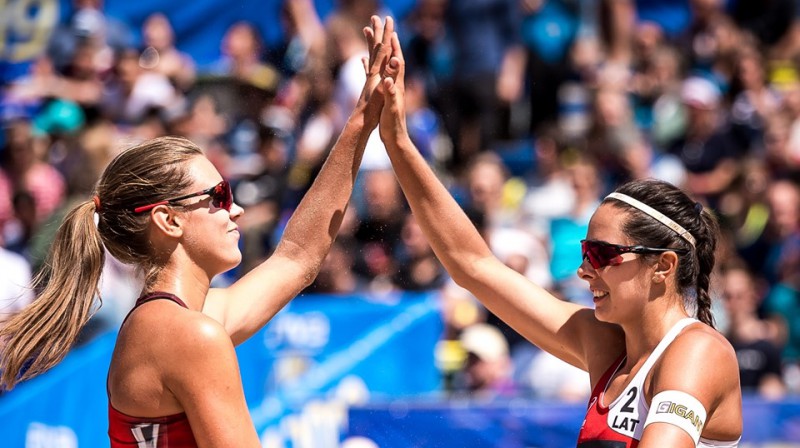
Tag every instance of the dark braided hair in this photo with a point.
(694, 267)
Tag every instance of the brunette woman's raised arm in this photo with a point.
(559, 327)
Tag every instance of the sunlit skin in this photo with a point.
(637, 301)
(203, 239)
(169, 359)
(625, 292)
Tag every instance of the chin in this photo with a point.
(602, 316)
(229, 262)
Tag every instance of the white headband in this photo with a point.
(662, 218)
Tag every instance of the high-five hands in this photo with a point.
(385, 70)
(393, 116)
(379, 36)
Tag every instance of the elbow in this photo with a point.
(464, 273)
(306, 264)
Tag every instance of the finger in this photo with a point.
(377, 28)
(389, 87)
(370, 36)
(392, 67)
(365, 63)
(397, 51)
(388, 31)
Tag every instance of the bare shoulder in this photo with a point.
(699, 361)
(175, 331)
(702, 363)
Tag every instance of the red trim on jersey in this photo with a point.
(595, 432)
(171, 431)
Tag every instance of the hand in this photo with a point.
(393, 116)
(378, 40)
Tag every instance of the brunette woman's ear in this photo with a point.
(667, 265)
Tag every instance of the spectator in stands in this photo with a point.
(550, 378)
(242, 53)
(89, 24)
(179, 361)
(418, 269)
(24, 168)
(489, 63)
(783, 235)
(783, 310)
(303, 38)
(347, 49)
(336, 274)
(752, 338)
(639, 159)
(768, 21)
(426, 40)
(706, 147)
(754, 101)
(710, 40)
(378, 229)
(15, 283)
(777, 146)
(487, 369)
(549, 188)
(161, 56)
(135, 92)
(648, 270)
(566, 232)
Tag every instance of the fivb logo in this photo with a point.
(40, 435)
(670, 407)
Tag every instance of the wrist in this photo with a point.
(401, 142)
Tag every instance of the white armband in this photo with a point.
(679, 409)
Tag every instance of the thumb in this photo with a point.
(390, 87)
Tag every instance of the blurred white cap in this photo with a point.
(485, 341)
(700, 92)
(359, 442)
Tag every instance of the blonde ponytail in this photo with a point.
(39, 336)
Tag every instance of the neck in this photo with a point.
(642, 336)
(185, 280)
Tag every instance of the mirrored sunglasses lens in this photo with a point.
(223, 196)
(588, 253)
(600, 255)
(608, 255)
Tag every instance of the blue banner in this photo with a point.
(521, 423)
(317, 356)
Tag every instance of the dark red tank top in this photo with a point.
(171, 431)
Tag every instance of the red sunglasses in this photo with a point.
(221, 197)
(601, 254)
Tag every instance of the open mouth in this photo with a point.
(599, 295)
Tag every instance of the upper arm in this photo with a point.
(250, 302)
(702, 364)
(204, 378)
(564, 329)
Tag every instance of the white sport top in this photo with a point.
(631, 405)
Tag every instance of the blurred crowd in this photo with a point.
(529, 110)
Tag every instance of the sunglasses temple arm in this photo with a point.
(145, 208)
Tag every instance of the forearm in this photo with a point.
(315, 222)
(253, 300)
(452, 235)
(247, 305)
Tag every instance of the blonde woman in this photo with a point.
(162, 206)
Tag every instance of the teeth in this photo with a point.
(599, 293)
